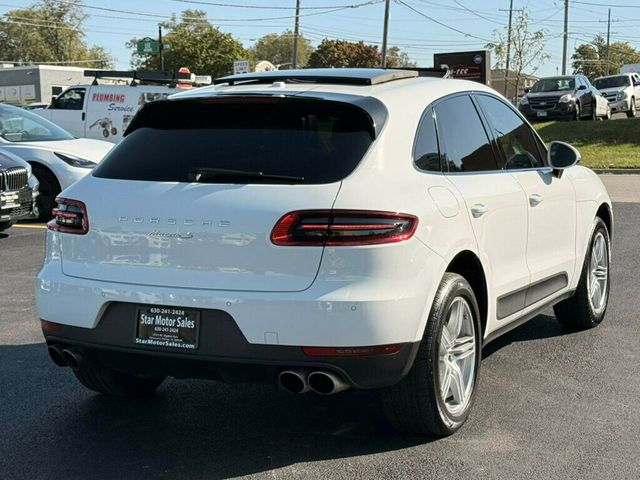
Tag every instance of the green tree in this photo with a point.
(591, 59)
(49, 31)
(277, 48)
(340, 53)
(396, 58)
(195, 44)
(527, 52)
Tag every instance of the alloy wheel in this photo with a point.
(457, 357)
(598, 274)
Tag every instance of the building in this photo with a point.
(498, 81)
(37, 83)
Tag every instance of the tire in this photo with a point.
(5, 225)
(415, 405)
(577, 113)
(580, 311)
(105, 133)
(607, 116)
(632, 109)
(594, 112)
(117, 384)
(49, 190)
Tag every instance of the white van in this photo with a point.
(101, 111)
(104, 111)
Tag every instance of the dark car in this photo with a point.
(571, 97)
(18, 190)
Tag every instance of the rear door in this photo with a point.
(494, 200)
(68, 111)
(551, 207)
(154, 222)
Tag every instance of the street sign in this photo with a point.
(148, 45)
(474, 66)
(240, 66)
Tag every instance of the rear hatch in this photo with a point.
(189, 198)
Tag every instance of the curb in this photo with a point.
(617, 171)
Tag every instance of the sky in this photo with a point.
(419, 27)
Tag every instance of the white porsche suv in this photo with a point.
(322, 230)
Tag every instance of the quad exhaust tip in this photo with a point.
(55, 352)
(326, 383)
(320, 382)
(71, 357)
(293, 381)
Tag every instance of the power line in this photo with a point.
(406, 5)
(605, 4)
(155, 15)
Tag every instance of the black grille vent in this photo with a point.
(13, 179)
(543, 103)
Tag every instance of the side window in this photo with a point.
(515, 138)
(425, 153)
(464, 145)
(70, 100)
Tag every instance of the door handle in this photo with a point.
(535, 199)
(478, 210)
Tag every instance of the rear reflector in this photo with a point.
(50, 326)
(70, 216)
(342, 228)
(375, 350)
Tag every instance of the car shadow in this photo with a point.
(538, 328)
(54, 428)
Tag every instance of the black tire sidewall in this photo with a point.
(49, 190)
(459, 287)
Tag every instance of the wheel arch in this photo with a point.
(43, 166)
(467, 264)
(604, 212)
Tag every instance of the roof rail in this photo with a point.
(335, 76)
(149, 76)
(430, 72)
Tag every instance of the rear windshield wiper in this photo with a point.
(206, 175)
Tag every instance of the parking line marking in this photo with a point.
(39, 227)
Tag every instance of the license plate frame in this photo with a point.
(542, 114)
(10, 200)
(167, 327)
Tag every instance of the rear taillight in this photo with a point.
(70, 216)
(342, 228)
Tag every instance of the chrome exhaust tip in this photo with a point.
(326, 383)
(293, 381)
(72, 357)
(55, 353)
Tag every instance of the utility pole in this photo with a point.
(565, 36)
(608, 39)
(506, 70)
(296, 32)
(385, 33)
(161, 47)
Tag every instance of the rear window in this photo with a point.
(320, 141)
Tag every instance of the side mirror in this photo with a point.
(582, 87)
(562, 155)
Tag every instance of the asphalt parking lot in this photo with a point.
(551, 404)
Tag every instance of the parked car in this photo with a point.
(622, 92)
(559, 97)
(18, 190)
(322, 229)
(56, 157)
(603, 108)
(35, 105)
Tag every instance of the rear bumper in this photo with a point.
(223, 353)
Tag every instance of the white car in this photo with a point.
(621, 91)
(58, 159)
(322, 230)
